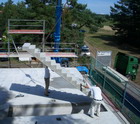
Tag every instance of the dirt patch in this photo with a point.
(107, 28)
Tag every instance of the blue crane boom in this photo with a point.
(58, 25)
(57, 37)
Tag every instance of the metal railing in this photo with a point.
(48, 47)
(125, 95)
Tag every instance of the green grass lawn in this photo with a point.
(105, 40)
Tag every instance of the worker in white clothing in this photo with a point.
(47, 80)
(96, 95)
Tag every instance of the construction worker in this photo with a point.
(47, 80)
(96, 95)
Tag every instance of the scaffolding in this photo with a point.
(16, 26)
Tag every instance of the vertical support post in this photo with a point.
(8, 38)
(104, 80)
(9, 62)
(90, 70)
(43, 37)
(75, 50)
(8, 25)
(8, 46)
(124, 94)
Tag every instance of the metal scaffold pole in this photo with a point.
(43, 38)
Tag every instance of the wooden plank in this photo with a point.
(26, 32)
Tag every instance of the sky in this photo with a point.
(97, 6)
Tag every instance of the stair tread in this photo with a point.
(52, 64)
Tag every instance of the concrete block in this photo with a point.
(59, 72)
(37, 55)
(37, 50)
(42, 54)
(47, 63)
(68, 77)
(32, 47)
(42, 59)
(56, 67)
(25, 46)
(53, 62)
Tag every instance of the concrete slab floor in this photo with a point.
(59, 119)
(23, 89)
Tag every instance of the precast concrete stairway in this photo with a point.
(46, 60)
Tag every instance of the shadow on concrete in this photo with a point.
(5, 95)
(34, 90)
(78, 102)
(39, 90)
(70, 97)
(30, 77)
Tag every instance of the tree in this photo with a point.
(75, 19)
(74, 14)
(7, 10)
(126, 16)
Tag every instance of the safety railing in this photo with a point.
(124, 94)
(67, 49)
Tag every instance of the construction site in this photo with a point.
(22, 86)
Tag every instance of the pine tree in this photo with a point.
(126, 15)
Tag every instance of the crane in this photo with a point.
(57, 37)
(58, 26)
